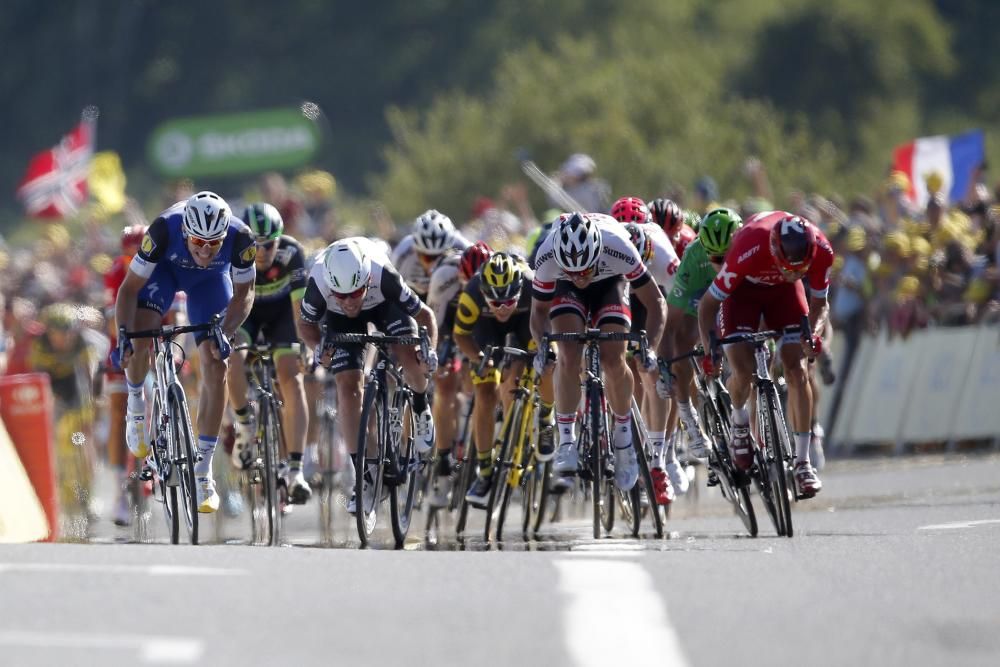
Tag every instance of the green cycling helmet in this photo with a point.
(717, 229)
(264, 220)
(692, 219)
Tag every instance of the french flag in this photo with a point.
(954, 158)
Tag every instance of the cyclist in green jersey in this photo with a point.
(699, 266)
(280, 285)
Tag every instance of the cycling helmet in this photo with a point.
(61, 316)
(793, 243)
(692, 219)
(667, 214)
(640, 240)
(474, 257)
(206, 215)
(577, 243)
(264, 220)
(347, 266)
(717, 229)
(132, 235)
(501, 278)
(630, 209)
(433, 233)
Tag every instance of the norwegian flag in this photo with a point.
(55, 183)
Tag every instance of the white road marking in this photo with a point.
(152, 570)
(958, 525)
(620, 593)
(151, 649)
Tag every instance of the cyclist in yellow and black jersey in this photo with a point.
(494, 305)
(278, 288)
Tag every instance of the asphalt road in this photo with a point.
(894, 564)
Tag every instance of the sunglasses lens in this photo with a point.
(266, 245)
(206, 243)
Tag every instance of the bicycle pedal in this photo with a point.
(713, 479)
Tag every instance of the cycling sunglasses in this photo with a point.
(502, 303)
(586, 273)
(266, 245)
(356, 294)
(205, 243)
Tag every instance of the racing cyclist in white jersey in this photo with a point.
(661, 260)
(582, 275)
(348, 290)
(418, 252)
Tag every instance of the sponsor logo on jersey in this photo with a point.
(617, 254)
(727, 277)
(148, 245)
(249, 253)
(749, 253)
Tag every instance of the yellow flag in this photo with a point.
(107, 181)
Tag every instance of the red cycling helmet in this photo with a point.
(132, 235)
(630, 209)
(793, 244)
(667, 215)
(474, 257)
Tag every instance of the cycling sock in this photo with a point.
(136, 402)
(206, 447)
(295, 461)
(688, 415)
(545, 413)
(741, 416)
(419, 401)
(485, 460)
(622, 435)
(671, 454)
(656, 439)
(243, 415)
(802, 446)
(567, 427)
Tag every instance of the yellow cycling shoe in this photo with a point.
(208, 499)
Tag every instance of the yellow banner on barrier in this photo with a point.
(22, 518)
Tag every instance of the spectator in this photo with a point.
(576, 176)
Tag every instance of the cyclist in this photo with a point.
(669, 216)
(762, 277)
(448, 280)
(349, 288)
(117, 394)
(418, 253)
(582, 275)
(199, 247)
(494, 305)
(698, 268)
(658, 254)
(278, 289)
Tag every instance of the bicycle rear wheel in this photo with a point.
(644, 456)
(373, 425)
(326, 475)
(463, 480)
(185, 457)
(736, 493)
(543, 477)
(777, 442)
(403, 492)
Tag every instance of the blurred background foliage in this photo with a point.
(433, 102)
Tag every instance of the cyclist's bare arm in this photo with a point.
(819, 311)
(309, 333)
(239, 308)
(425, 318)
(539, 321)
(656, 311)
(128, 300)
(708, 310)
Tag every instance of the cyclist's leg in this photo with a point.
(446, 407)
(568, 315)
(741, 312)
(393, 321)
(239, 397)
(347, 368)
(487, 393)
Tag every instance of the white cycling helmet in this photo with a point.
(206, 215)
(433, 233)
(576, 243)
(347, 266)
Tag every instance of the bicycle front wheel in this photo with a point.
(270, 434)
(597, 435)
(184, 457)
(779, 459)
(502, 465)
(372, 432)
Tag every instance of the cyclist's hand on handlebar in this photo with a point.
(429, 361)
(223, 348)
(543, 359)
(646, 359)
(812, 345)
(709, 367)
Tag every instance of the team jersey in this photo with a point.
(618, 258)
(285, 278)
(664, 262)
(472, 304)
(682, 239)
(445, 285)
(164, 241)
(384, 284)
(694, 276)
(404, 258)
(749, 258)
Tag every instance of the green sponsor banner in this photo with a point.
(233, 143)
